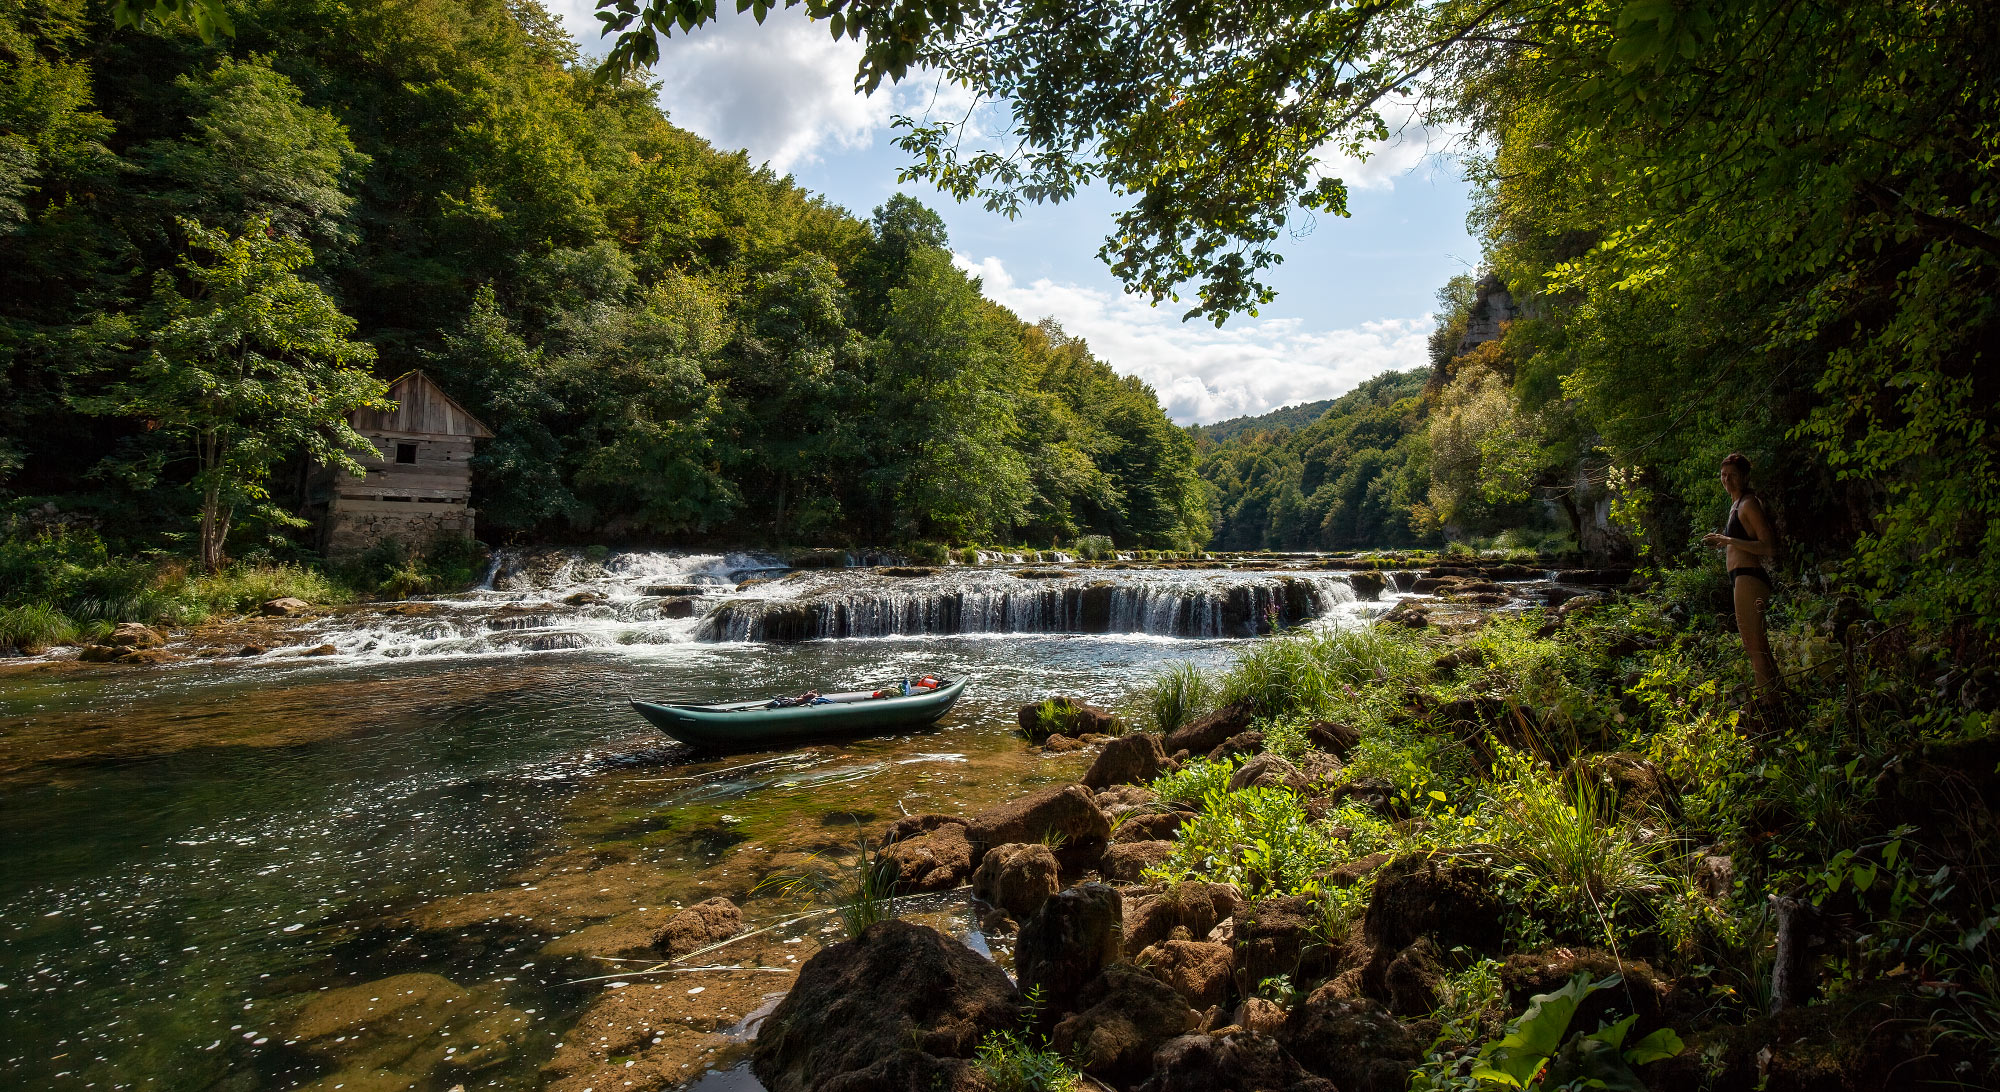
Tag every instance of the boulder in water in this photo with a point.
(1017, 878)
(681, 606)
(1367, 585)
(1064, 813)
(708, 922)
(937, 860)
(1133, 759)
(863, 1011)
(1064, 715)
(283, 607)
(135, 635)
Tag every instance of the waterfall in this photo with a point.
(1161, 608)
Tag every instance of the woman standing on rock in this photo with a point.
(1746, 541)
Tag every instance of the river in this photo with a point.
(195, 853)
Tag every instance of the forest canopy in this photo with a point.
(669, 342)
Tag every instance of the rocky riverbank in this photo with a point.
(1359, 881)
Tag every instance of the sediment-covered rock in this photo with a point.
(1124, 862)
(1260, 1016)
(1333, 737)
(897, 987)
(1639, 993)
(938, 860)
(1246, 742)
(1200, 735)
(1195, 906)
(1351, 1041)
(1119, 801)
(1067, 813)
(1147, 827)
(709, 922)
(1241, 1061)
(1132, 759)
(1452, 903)
(1122, 1017)
(1066, 715)
(1198, 970)
(283, 606)
(1069, 942)
(1270, 935)
(1267, 771)
(1017, 878)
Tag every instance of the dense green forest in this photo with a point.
(214, 249)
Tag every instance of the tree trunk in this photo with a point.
(214, 522)
(1792, 977)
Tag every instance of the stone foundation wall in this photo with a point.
(353, 526)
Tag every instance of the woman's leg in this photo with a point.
(1751, 595)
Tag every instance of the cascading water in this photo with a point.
(548, 600)
(1155, 604)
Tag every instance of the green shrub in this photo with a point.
(927, 553)
(968, 556)
(1308, 672)
(1192, 783)
(1176, 695)
(1096, 548)
(33, 628)
(1563, 839)
(242, 588)
(1259, 839)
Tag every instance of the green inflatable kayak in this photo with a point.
(751, 725)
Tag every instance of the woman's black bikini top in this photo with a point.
(1735, 528)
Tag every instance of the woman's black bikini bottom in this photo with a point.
(1751, 571)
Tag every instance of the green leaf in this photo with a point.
(1659, 1045)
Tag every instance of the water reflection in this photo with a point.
(191, 853)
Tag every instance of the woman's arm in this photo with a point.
(1751, 512)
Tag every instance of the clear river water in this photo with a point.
(204, 862)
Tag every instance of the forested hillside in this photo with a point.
(212, 251)
(1347, 480)
(1298, 416)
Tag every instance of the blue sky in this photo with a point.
(1355, 294)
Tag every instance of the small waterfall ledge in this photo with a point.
(1214, 608)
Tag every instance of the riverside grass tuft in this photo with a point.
(1532, 790)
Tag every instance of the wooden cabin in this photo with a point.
(419, 481)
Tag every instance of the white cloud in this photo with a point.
(1204, 374)
(784, 91)
(1412, 150)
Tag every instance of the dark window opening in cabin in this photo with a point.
(406, 453)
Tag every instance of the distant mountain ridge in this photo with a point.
(1286, 417)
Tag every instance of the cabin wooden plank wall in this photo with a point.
(419, 480)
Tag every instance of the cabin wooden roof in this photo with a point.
(422, 408)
